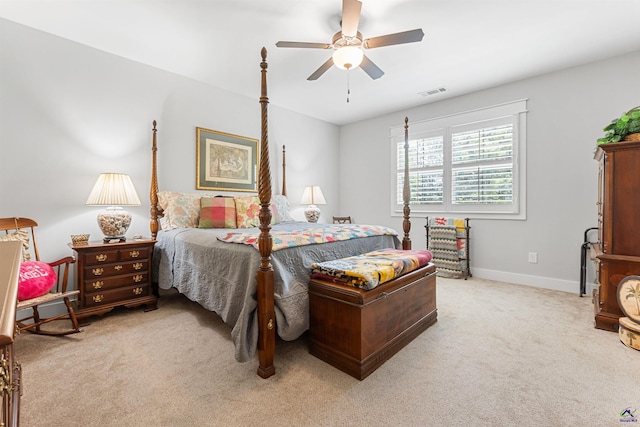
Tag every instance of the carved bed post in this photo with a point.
(153, 192)
(406, 192)
(266, 313)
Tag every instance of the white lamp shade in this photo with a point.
(313, 196)
(348, 57)
(113, 189)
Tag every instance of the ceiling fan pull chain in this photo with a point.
(348, 88)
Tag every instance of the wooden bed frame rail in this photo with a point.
(265, 274)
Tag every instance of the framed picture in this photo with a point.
(225, 162)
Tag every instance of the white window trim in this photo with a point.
(517, 109)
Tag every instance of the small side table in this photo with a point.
(109, 275)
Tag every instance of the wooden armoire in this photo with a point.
(618, 248)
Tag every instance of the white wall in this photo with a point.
(69, 112)
(567, 111)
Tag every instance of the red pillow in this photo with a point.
(36, 279)
(217, 212)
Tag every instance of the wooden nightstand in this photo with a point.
(109, 275)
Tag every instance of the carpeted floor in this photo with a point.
(500, 354)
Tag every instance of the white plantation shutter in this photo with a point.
(425, 170)
(482, 165)
(471, 163)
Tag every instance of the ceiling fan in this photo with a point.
(348, 44)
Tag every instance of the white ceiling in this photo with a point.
(468, 45)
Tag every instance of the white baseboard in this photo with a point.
(535, 281)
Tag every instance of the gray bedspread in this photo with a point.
(222, 277)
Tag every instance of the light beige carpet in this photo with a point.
(499, 354)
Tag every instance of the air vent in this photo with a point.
(432, 91)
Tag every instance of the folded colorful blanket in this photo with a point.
(371, 269)
(320, 233)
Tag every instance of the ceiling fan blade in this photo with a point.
(350, 17)
(396, 38)
(370, 68)
(320, 71)
(304, 45)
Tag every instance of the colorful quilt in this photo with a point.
(447, 242)
(371, 269)
(309, 236)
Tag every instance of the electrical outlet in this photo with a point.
(533, 257)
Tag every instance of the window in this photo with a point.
(471, 163)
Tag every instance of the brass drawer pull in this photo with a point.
(117, 267)
(137, 278)
(98, 298)
(137, 291)
(101, 257)
(97, 271)
(98, 285)
(137, 266)
(134, 254)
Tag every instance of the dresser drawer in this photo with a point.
(96, 271)
(114, 255)
(120, 295)
(134, 254)
(101, 257)
(100, 284)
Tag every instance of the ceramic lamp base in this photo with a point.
(312, 213)
(114, 223)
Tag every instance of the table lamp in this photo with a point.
(312, 196)
(114, 190)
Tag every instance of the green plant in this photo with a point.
(619, 128)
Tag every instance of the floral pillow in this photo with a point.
(217, 212)
(281, 211)
(248, 211)
(181, 210)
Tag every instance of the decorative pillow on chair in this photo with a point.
(217, 212)
(19, 236)
(36, 279)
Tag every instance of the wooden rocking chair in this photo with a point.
(23, 229)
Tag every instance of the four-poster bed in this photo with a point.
(275, 299)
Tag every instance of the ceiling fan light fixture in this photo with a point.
(348, 57)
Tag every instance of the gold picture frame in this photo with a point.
(226, 162)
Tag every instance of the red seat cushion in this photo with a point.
(36, 279)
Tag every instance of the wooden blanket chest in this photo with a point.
(357, 330)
